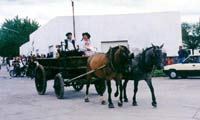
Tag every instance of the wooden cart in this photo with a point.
(66, 71)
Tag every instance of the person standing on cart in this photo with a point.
(69, 42)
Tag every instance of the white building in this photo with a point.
(140, 30)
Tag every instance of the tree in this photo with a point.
(191, 36)
(15, 32)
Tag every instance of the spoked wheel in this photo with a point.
(40, 80)
(77, 86)
(100, 86)
(59, 86)
(12, 73)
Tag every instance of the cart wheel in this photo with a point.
(23, 74)
(100, 86)
(40, 80)
(59, 86)
(12, 73)
(77, 86)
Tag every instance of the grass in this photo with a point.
(158, 73)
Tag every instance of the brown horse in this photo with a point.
(117, 61)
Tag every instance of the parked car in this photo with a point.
(189, 67)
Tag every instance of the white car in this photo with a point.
(190, 67)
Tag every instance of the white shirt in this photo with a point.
(70, 45)
(85, 45)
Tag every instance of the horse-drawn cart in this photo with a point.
(66, 71)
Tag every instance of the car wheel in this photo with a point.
(173, 74)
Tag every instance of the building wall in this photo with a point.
(139, 29)
(26, 49)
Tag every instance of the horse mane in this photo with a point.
(110, 56)
(115, 49)
(141, 60)
(146, 49)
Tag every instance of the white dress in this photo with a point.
(85, 45)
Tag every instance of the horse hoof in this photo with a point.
(87, 100)
(103, 102)
(116, 94)
(134, 104)
(126, 100)
(120, 104)
(111, 106)
(154, 104)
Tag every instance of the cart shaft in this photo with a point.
(87, 73)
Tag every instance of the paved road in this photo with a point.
(177, 100)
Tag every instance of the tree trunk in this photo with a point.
(192, 51)
(3, 60)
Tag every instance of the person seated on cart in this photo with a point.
(69, 42)
(85, 44)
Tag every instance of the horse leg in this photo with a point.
(103, 102)
(87, 92)
(120, 103)
(124, 87)
(110, 104)
(149, 83)
(135, 92)
(117, 89)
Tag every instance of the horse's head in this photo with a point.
(120, 58)
(157, 56)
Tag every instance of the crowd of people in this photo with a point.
(16, 65)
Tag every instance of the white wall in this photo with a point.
(106, 45)
(139, 29)
(26, 49)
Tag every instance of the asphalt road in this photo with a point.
(177, 100)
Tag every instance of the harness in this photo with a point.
(143, 65)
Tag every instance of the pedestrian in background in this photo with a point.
(182, 54)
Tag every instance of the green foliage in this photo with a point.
(191, 36)
(15, 32)
(158, 73)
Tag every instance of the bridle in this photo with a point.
(143, 65)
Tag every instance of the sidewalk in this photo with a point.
(4, 73)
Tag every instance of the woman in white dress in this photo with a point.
(85, 44)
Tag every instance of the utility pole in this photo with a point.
(74, 26)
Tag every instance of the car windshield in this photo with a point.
(192, 59)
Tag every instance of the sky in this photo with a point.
(44, 10)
